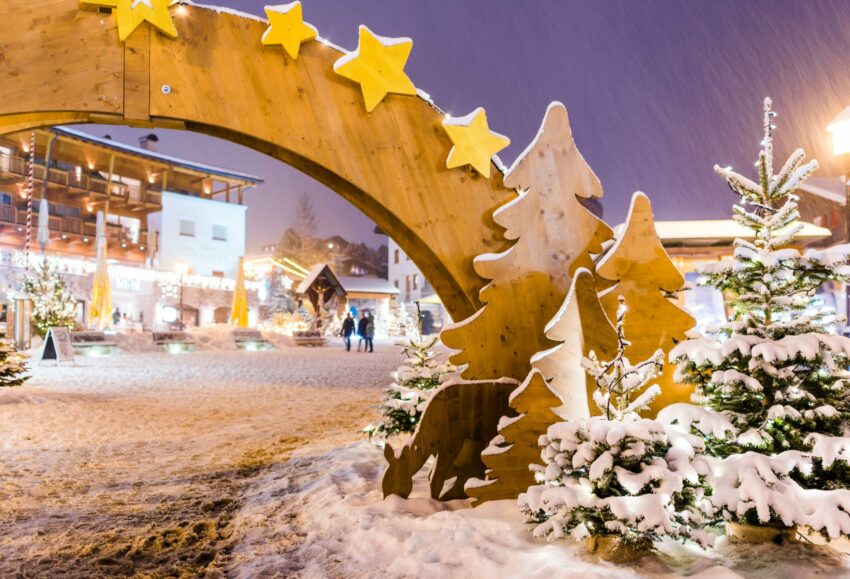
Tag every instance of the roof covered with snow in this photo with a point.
(155, 156)
(830, 188)
(718, 232)
(368, 285)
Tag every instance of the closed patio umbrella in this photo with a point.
(101, 299)
(43, 235)
(239, 311)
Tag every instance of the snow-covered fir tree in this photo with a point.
(413, 384)
(773, 379)
(619, 476)
(280, 298)
(12, 365)
(53, 304)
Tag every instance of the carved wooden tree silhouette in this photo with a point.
(581, 326)
(509, 455)
(644, 274)
(554, 235)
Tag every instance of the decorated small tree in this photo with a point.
(12, 365)
(621, 481)
(773, 379)
(53, 304)
(413, 384)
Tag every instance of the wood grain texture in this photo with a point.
(459, 421)
(579, 327)
(389, 163)
(642, 272)
(509, 456)
(554, 234)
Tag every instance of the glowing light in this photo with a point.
(181, 10)
(839, 128)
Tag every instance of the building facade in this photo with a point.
(146, 198)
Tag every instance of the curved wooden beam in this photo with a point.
(62, 64)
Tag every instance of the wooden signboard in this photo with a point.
(57, 345)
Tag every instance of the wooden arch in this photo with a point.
(61, 64)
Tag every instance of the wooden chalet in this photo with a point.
(81, 174)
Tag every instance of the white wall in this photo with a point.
(402, 271)
(201, 252)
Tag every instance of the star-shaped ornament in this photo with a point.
(378, 66)
(474, 142)
(287, 28)
(131, 13)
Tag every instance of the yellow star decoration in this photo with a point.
(474, 142)
(378, 66)
(131, 13)
(287, 28)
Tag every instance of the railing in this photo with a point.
(67, 225)
(68, 178)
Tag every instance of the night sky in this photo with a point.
(658, 90)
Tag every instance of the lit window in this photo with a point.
(187, 228)
(219, 232)
(416, 281)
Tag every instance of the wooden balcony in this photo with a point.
(131, 198)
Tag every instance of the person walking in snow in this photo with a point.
(361, 330)
(347, 330)
(369, 333)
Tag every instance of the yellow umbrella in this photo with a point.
(239, 311)
(101, 295)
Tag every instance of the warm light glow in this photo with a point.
(181, 10)
(91, 165)
(840, 130)
(182, 268)
(78, 173)
(330, 246)
(151, 179)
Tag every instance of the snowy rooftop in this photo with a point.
(718, 232)
(153, 155)
(830, 188)
(367, 285)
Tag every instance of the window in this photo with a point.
(187, 228)
(395, 256)
(416, 281)
(219, 274)
(219, 233)
(396, 284)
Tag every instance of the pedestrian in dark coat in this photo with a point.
(347, 330)
(370, 333)
(361, 330)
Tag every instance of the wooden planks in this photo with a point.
(555, 235)
(643, 273)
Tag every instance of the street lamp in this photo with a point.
(182, 269)
(839, 128)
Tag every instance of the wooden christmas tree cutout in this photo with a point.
(554, 235)
(509, 455)
(582, 326)
(644, 275)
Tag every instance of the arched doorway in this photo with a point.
(217, 78)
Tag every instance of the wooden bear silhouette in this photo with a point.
(458, 423)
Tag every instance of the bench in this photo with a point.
(174, 342)
(309, 338)
(93, 344)
(251, 340)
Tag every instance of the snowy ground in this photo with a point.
(249, 464)
(136, 463)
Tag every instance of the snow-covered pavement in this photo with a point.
(135, 463)
(250, 464)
